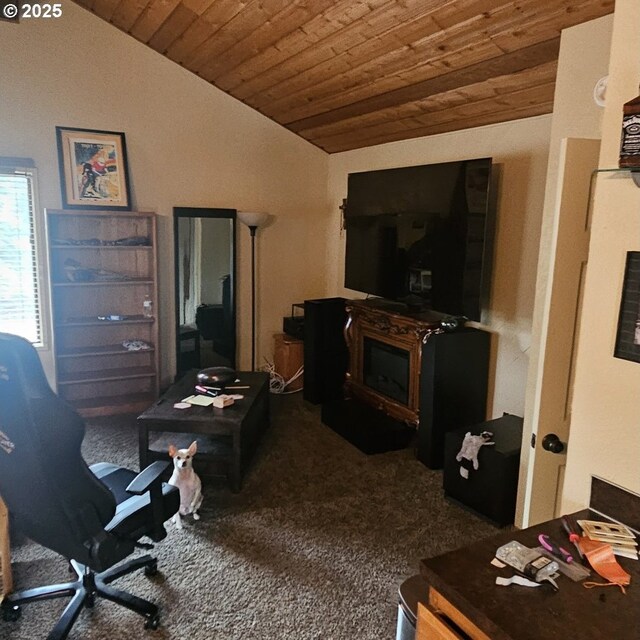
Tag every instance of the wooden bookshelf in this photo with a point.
(103, 264)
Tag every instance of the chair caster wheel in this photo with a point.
(151, 570)
(152, 623)
(11, 614)
(90, 602)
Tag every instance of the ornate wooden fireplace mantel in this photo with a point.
(376, 323)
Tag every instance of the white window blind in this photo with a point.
(20, 309)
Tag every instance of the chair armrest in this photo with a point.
(147, 477)
(150, 479)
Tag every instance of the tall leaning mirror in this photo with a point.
(205, 259)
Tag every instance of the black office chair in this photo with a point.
(94, 516)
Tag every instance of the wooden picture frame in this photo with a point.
(93, 169)
(628, 336)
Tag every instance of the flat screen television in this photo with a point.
(422, 235)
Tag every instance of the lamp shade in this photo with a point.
(252, 218)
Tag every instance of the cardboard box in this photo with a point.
(288, 358)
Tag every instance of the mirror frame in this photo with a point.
(211, 213)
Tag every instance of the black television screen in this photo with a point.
(422, 235)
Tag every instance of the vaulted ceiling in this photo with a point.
(346, 74)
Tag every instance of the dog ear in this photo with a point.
(193, 448)
(172, 451)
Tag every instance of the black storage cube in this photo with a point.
(491, 489)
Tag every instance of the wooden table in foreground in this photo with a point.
(6, 577)
(462, 591)
(227, 438)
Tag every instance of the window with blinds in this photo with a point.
(20, 310)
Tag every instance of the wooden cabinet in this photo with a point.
(6, 578)
(288, 359)
(385, 355)
(440, 620)
(103, 267)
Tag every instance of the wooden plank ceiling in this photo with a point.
(346, 74)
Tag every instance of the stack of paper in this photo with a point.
(202, 401)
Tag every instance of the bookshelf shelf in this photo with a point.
(95, 313)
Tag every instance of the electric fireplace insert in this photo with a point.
(386, 369)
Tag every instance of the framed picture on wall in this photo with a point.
(93, 169)
(628, 338)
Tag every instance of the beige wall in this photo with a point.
(189, 145)
(605, 427)
(521, 148)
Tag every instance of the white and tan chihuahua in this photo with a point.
(187, 481)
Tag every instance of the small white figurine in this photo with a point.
(471, 446)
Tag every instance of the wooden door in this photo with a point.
(550, 411)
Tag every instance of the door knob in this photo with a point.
(552, 443)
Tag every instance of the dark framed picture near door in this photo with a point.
(628, 337)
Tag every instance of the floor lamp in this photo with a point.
(253, 220)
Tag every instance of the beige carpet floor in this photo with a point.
(314, 546)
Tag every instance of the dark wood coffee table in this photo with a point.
(227, 438)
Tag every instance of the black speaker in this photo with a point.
(453, 388)
(325, 351)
